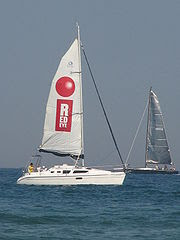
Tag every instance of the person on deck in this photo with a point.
(31, 168)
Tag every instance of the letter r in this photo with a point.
(64, 109)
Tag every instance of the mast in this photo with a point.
(80, 80)
(147, 131)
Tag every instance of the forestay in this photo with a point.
(63, 130)
(157, 145)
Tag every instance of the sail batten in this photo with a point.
(157, 145)
(62, 133)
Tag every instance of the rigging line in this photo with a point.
(97, 91)
(148, 124)
(137, 131)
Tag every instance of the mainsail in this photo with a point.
(63, 130)
(157, 149)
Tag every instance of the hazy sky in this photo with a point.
(131, 45)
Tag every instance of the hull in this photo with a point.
(151, 171)
(67, 175)
(113, 179)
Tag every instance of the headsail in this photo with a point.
(63, 131)
(157, 151)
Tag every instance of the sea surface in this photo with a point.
(145, 207)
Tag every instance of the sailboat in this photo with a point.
(157, 153)
(63, 130)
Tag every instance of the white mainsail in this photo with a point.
(63, 130)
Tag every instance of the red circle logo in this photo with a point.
(65, 86)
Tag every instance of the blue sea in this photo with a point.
(145, 207)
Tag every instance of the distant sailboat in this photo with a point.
(63, 130)
(157, 152)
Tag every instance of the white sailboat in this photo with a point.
(63, 130)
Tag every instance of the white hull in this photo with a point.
(93, 176)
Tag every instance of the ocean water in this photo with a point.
(145, 207)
